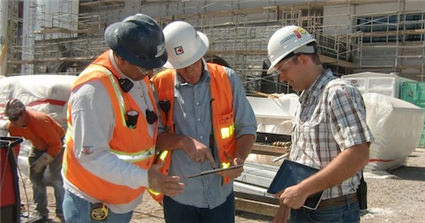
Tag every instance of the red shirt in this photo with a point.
(43, 132)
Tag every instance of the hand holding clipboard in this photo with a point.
(291, 173)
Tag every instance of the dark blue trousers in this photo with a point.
(175, 212)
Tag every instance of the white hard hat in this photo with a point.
(184, 44)
(287, 40)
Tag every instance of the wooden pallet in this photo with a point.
(256, 207)
(256, 201)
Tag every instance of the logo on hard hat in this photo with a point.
(178, 50)
(297, 34)
(160, 49)
(301, 30)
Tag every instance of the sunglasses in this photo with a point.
(144, 70)
(281, 68)
(16, 117)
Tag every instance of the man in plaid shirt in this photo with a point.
(330, 132)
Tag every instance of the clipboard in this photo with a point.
(206, 172)
(291, 173)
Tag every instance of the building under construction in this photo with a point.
(64, 36)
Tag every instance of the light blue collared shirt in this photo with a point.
(192, 117)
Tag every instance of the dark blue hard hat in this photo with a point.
(139, 40)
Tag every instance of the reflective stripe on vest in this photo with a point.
(128, 157)
(222, 93)
(135, 157)
(227, 132)
(98, 68)
(131, 145)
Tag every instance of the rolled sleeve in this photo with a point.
(245, 122)
(348, 115)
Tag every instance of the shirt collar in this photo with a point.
(317, 86)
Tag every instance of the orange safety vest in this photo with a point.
(222, 113)
(129, 144)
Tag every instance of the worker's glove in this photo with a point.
(41, 162)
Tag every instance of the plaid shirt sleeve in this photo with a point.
(348, 116)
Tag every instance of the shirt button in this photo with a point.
(197, 103)
(199, 119)
(201, 137)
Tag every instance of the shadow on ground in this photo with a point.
(410, 173)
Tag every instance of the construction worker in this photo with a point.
(113, 125)
(205, 107)
(329, 133)
(46, 137)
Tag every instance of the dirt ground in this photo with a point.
(394, 196)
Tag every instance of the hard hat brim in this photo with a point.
(112, 41)
(272, 66)
(302, 49)
(204, 44)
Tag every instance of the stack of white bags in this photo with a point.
(45, 93)
(396, 125)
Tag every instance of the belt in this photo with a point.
(337, 201)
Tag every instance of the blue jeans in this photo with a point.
(175, 212)
(348, 213)
(77, 210)
(39, 186)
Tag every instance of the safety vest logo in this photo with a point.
(87, 150)
(178, 50)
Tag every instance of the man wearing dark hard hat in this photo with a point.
(45, 135)
(113, 126)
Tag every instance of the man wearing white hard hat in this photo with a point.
(330, 132)
(210, 125)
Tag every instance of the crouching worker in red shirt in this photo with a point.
(46, 137)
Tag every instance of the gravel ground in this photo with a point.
(395, 196)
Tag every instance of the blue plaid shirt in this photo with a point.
(331, 118)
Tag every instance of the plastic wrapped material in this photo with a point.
(275, 115)
(45, 93)
(371, 82)
(397, 127)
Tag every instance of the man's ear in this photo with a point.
(119, 60)
(303, 58)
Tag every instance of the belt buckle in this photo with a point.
(99, 212)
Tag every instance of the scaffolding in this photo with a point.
(9, 11)
(242, 38)
(240, 35)
(57, 38)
